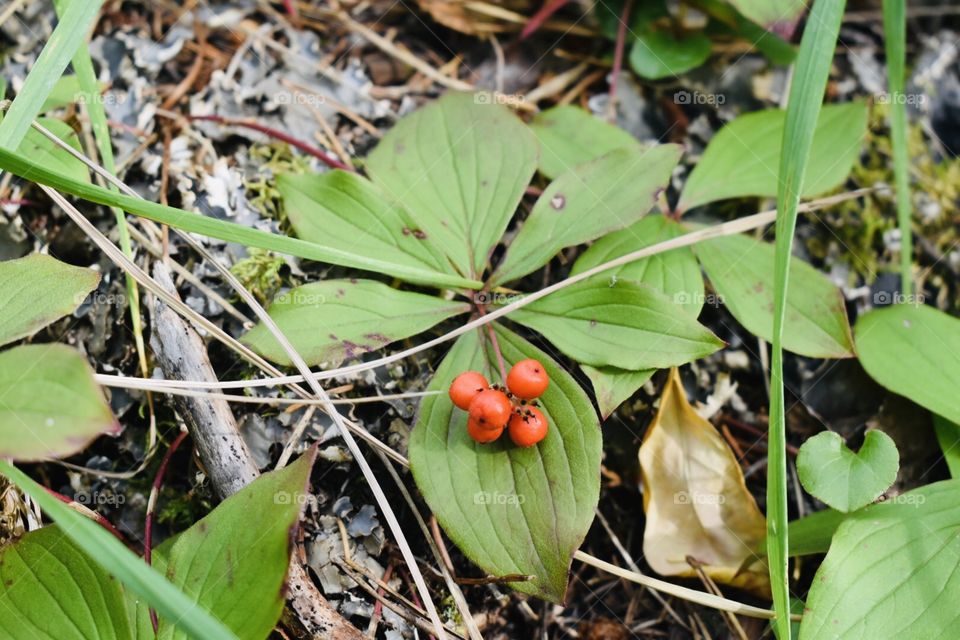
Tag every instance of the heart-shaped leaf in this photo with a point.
(845, 480)
(460, 167)
(695, 498)
(570, 136)
(50, 588)
(511, 510)
(334, 320)
(911, 350)
(891, 571)
(50, 405)
(586, 202)
(741, 270)
(624, 324)
(742, 159)
(344, 210)
(36, 290)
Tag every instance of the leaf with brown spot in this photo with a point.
(695, 499)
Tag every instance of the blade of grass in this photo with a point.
(894, 37)
(122, 563)
(803, 109)
(90, 91)
(70, 33)
(221, 229)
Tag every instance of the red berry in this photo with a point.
(528, 427)
(480, 433)
(527, 379)
(491, 409)
(465, 388)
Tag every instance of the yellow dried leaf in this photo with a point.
(695, 499)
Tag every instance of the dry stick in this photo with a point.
(715, 590)
(180, 352)
(723, 229)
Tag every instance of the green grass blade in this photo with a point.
(895, 37)
(69, 34)
(221, 229)
(90, 90)
(803, 109)
(133, 572)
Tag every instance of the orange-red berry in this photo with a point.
(527, 379)
(491, 409)
(528, 427)
(480, 433)
(465, 388)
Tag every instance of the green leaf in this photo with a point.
(586, 202)
(65, 92)
(845, 480)
(741, 270)
(911, 350)
(891, 571)
(511, 510)
(330, 321)
(341, 209)
(460, 167)
(41, 149)
(123, 563)
(50, 588)
(675, 273)
(69, 34)
(612, 386)
(948, 436)
(742, 159)
(659, 54)
(570, 136)
(234, 561)
(49, 404)
(624, 324)
(36, 290)
(770, 13)
(807, 88)
(729, 21)
(215, 228)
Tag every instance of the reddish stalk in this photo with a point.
(96, 517)
(618, 59)
(549, 8)
(309, 149)
(492, 336)
(151, 508)
(291, 8)
(378, 607)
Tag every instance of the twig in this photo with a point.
(151, 509)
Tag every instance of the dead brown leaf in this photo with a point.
(695, 499)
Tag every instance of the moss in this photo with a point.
(260, 273)
(272, 159)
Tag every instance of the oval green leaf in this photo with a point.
(742, 159)
(612, 386)
(658, 54)
(586, 202)
(845, 480)
(891, 571)
(344, 210)
(624, 324)
(511, 510)
(50, 405)
(570, 136)
(36, 290)
(741, 270)
(912, 350)
(330, 321)
(460, 167)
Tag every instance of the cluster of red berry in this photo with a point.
(493, 408)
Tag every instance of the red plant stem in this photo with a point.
(618, 58)
(378, 607)
(99, 519)
(309, 149)
(549, 8)
(290, 7)
(492, 335)
(151, 508)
